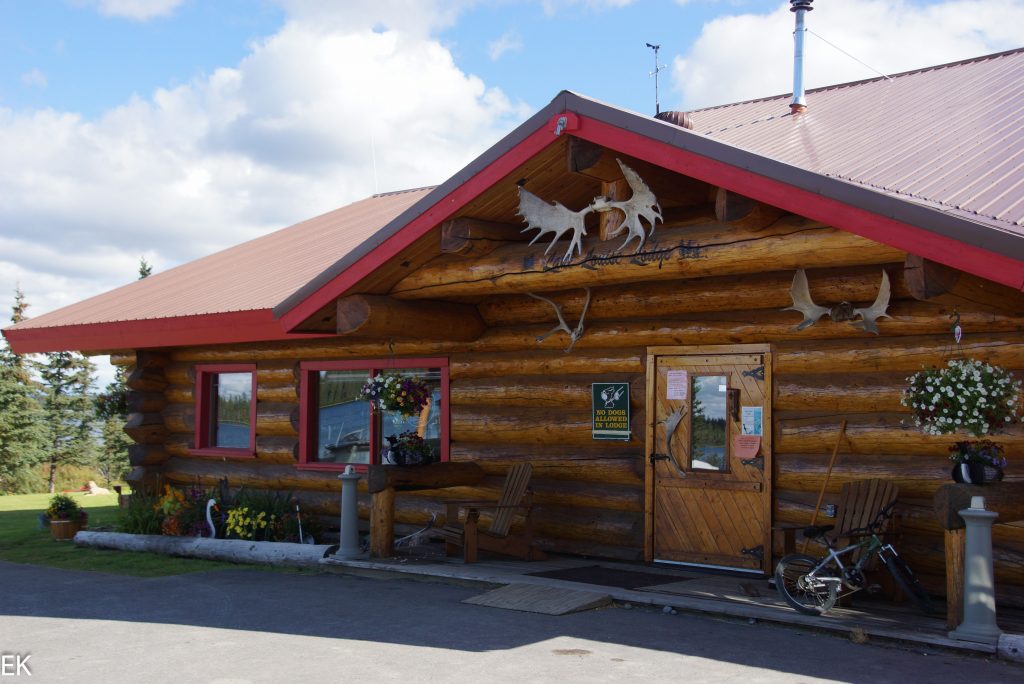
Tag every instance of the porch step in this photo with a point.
(535, 598)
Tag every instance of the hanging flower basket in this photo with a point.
(399, 393)
(966, 396)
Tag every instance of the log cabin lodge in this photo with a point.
(919, 177)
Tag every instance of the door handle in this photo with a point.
(658, 457)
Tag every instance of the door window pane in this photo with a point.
(708, 426)
(232, 398)
(343, 418)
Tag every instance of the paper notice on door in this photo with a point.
(751, 420)
(678, 383)
(745, 447)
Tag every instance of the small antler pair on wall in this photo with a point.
(843, 311)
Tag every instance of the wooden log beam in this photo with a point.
(283, 394)
(146, 454)
(609, 221)
(733, 209)
(146, 379)
(277, 419)
(181, 374)
(543, 362)
(145, 428)
(878, 434)
(248, 473)
(434, 476)
(697, 295)
(277, 449)
(383, 317)
(792, 242)
(180, 394)
(604, 461)
(145, 402)
(523, 425)
(933, 282)
(908, 318)
(840, 393)
(533, 391)
(870, 354)
(1005, 498)
(919, 475)
(180, 418)
(123, 358)
(277, 372)
(230, 550)
(475, 237)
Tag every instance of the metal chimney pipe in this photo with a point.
(799, 7)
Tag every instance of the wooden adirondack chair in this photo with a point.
(515, 498)
(859, 502)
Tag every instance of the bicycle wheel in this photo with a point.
(908, 584)
(808, 595)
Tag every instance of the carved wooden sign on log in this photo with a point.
(688, 252)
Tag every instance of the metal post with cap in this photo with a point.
(979, 623)
(349, 546)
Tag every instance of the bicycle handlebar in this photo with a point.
(875, 526)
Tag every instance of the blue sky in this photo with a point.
(169, 129)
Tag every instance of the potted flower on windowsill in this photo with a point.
(977, 462)
(407, 449)
(66, 517)
(969, 396)
(400, 393)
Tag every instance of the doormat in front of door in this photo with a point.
(611, 577)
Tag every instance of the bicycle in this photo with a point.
(813, 585)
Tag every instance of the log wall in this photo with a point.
(515, 399)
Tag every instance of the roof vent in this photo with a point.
(799, 7)
(681, 119)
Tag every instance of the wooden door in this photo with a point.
(709, 457)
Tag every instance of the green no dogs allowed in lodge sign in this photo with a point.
(611, 410)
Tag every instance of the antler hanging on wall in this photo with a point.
(641, 205)
(555, 218)
(843, 311)
(574, 333)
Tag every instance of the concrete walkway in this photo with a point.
(709, 594)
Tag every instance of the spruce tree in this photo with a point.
(22, 434)
(67, 379)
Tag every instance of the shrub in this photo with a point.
(63, 507)
(142, 515)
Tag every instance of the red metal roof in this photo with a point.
(949, 136)
(252, 276)
(928, 161)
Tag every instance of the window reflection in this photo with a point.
(232, 396)
(708, 426)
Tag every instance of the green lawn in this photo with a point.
(22, 541)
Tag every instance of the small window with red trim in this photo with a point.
(340, 427)
(226, 409)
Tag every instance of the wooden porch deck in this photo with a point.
(692, 590)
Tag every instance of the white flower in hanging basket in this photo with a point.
(967, 395)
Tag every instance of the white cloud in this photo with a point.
(34, 78)
(138, 10)
(554, 6)
(751, 55)
(510, 41)
(281, 136)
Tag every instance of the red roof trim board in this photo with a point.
(221, 328)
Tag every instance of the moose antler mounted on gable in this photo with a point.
(843, 311)
(554, 217)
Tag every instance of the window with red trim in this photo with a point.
(226, 409)
(338, 425)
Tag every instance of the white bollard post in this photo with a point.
(349, 547)
(979, 623)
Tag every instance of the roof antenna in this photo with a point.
(657, 68)
(799, 7)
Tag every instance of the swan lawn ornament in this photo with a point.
(210, 505)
